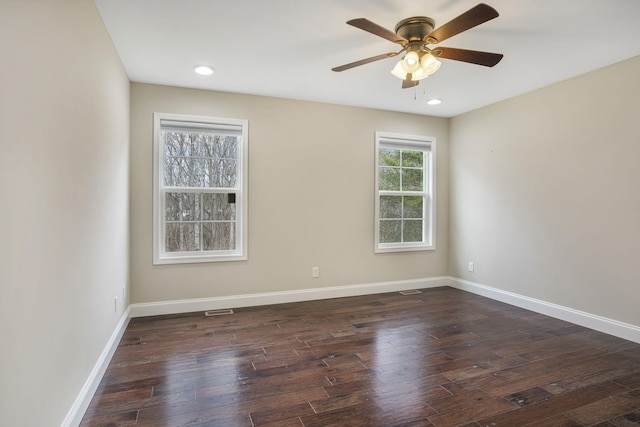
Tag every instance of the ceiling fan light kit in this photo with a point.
(416, 69)
(416, 33)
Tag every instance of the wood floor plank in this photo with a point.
(631, 381)
(280, 413)
(465, 407)
(443, 357)
(415, 395)
(362, 414)
(529, 397)
(554, 406)
(606, 409)
(557, 421)
(112, 418)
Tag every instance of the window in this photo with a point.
(200, 189)
(404, 192)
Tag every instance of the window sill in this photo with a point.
(407, 248)
(192, 259)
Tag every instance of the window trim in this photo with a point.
(429, 144)
(240, 253)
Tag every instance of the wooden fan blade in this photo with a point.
(406, 84)
(364, 61)
(472, 17)
(373, 28)
(487, 59)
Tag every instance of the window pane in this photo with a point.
(183, 172)
(390, 206)
(228, 173)
(172, 207)
(219, 172)
(412, 231)
(197, 144)
(390, 231)
(216, 206)
(182, 206)
(182, 237)
(412, 179)
(230, 147)
(218, 236)
(221, 147)
(176, 144)
(413, 207)
(412, 159)
(389, 179)
(388, 157)
(173, 171)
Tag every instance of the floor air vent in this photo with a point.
(411, 292)
(218, 312)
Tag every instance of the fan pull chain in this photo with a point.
(424, 93)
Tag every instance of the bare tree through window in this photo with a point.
(197, 220)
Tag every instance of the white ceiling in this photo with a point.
(286, 48)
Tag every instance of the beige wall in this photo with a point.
(545, 195)
(311, 185)
(64, 120)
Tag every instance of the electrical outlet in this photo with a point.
(315, 271)
(470, 266)
(115, 304)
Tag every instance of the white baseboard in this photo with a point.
(588, 320)
(252, 300)
(79, 407)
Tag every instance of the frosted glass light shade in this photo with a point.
(429, 64)
(399, 71)
(419, 74)
(411, 62)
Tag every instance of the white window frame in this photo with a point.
(160, 256)
(427, 144)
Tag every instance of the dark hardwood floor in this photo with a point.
(443, 357)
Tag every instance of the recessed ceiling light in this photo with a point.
(203, 70)
(434, 101)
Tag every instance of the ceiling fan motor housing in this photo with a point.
(415, 28)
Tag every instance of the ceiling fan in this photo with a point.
(416, 33)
